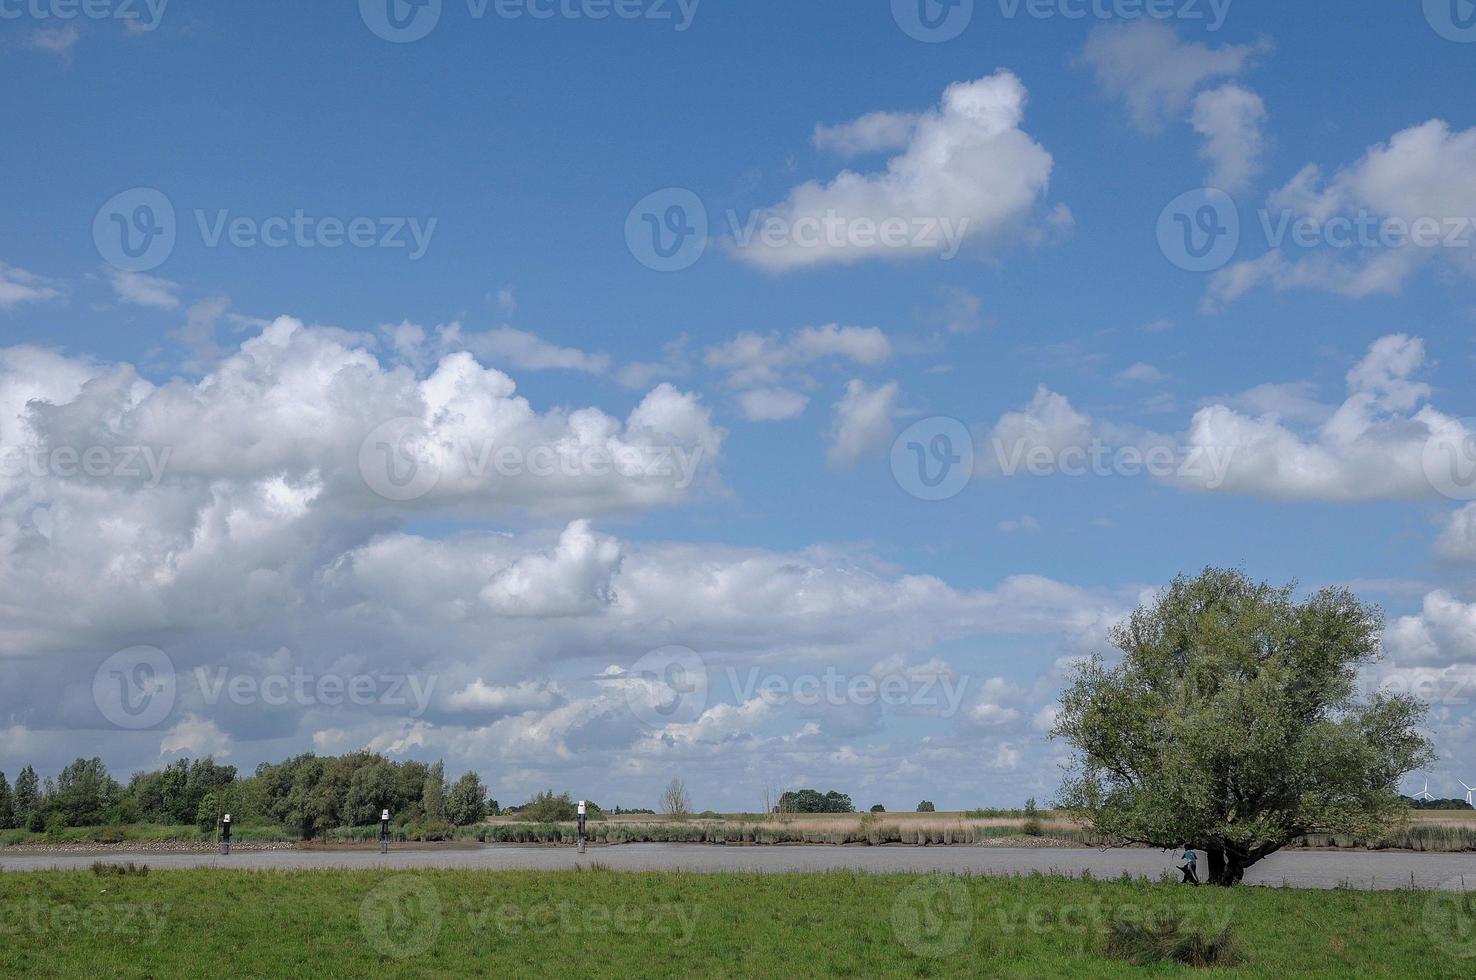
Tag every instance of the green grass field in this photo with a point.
(444, 923)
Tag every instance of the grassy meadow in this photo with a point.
(449, 923)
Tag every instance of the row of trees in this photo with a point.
(83, 794)
(813, 801)
(306, 794)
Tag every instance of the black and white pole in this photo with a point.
(581, 826)
(384, 832)
(225, 834)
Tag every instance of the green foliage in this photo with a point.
(926, 806)
(878, 808)
(546, 807)
(433, 793)
(467, 802)
(84, 794)
(813, 801)
(307, 795)
(173, 794)
(7, 805)
(1232, 724)
(1032, 827)
(27, 791)
(130, 870)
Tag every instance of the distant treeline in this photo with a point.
(305, 795)
(1415, 804)
(813, 801)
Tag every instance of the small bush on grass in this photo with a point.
(1032, 826)
(130, 870)
(1168, 939)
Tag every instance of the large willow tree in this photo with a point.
(1232, 724)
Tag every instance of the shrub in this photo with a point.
(545, 807)
(878, 808)
(108, 835)
(1167, 939)
(1032, 826)
(926, 806)
(129, 870)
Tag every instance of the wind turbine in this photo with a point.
(1470, 791)
(1424, 794)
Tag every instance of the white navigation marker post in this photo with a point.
(225, 834)
(581, 826)
(384, 832)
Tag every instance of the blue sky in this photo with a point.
(1060, 322)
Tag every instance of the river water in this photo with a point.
(1301, 869)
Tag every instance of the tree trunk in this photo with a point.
(1225, 867)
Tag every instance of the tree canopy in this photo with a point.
(1232, 723)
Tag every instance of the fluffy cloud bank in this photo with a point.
(964, 173)
(231, 523)
(1383, 441)
(1155, 74)
(1368, 227)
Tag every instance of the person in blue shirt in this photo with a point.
(1190, 867)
